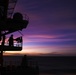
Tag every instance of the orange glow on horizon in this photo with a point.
(42, 50)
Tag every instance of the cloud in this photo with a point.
(52, 25)
(50, 38)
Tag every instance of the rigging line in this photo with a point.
(13, 6)
(20, 33)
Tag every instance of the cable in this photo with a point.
(20, 33)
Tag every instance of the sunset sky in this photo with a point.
(51, 29)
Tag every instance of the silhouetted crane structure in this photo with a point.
(9, 24)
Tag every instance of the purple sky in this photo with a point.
(51, 28)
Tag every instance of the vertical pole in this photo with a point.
(1, 61)
(3, 41)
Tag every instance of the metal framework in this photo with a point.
(9, 25)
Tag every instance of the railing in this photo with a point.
(16, 46)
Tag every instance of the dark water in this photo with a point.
(57, 74)
(46, 63)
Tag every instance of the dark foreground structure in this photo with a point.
(8, 24)
(23, 69)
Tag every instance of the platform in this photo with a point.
(10, 48)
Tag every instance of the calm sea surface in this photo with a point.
(45, 63)
(58, 74)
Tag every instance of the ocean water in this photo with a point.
(47, 64)
(57, 74)
(46, 74)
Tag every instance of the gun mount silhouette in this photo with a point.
(8, 24)
(13, 24)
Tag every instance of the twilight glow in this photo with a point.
(51, 29)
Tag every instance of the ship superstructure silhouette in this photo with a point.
(10, 23)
